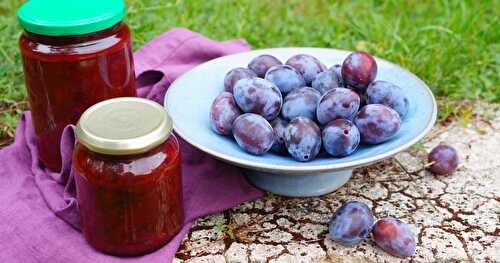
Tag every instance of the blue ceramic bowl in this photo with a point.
(189, 99)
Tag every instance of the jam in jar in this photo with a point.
(128, 176)
(75, 54)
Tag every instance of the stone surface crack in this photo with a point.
(456, 218)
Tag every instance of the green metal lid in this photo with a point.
(70, 17)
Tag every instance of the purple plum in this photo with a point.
(394, 237)
(234, 75)
(223, 113)
(388, 94)
(285, 78)
(326, 80)
(377, 123)
(279, 126)
(258, 96)
(303, 139)
(351, 223)
(359, 70)
(338, 103)
(253, 133)
(306, 65)
(261, 64)
(340, 138)
(445, 159)
(301, 102)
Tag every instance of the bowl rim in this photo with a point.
(306, 167)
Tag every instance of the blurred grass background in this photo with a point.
(451, 45)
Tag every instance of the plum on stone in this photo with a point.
(351, 223)
(444, 159)
(394, 237)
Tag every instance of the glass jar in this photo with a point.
(128, 176)
(75, 54)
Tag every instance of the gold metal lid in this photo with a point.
(123, 126)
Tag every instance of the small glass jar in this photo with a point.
(75, 54)
(128, 177)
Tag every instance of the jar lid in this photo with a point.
(123, 126)
(70, 17)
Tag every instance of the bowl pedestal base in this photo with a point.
(299, 185)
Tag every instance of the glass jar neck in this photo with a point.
(68, 40)
(171, 140)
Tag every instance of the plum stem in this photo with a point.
(429, 164)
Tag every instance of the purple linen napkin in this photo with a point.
(39, 218)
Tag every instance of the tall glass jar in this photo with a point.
(75, 54)
(128, 176)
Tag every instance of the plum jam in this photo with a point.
(75, 54)
(128, 177)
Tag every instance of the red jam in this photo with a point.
(67, 74)
(130, 205)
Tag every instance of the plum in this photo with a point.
(338, 103)
(301, 102)
(359, 69)
(234, 75)
(351, 223)
(285, 78)
(326, 80)
(340, 138)
(306, 65)
(258, 96)
(303, 139)
(223, 113)
(377, 123)
(261, 64)
(444, 159)
(279, 126)
(388, 94)
(394, 237)
(253, 133)
(338, 69)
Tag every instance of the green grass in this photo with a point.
(452, 45)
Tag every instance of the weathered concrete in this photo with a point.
(456, 218)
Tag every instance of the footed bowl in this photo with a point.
(189, 99)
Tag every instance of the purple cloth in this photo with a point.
(39, 217)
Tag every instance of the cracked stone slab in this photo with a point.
(456, 218)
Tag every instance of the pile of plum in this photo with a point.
(300, 106)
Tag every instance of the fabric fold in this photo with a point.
(169, 55)
(39, 217)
